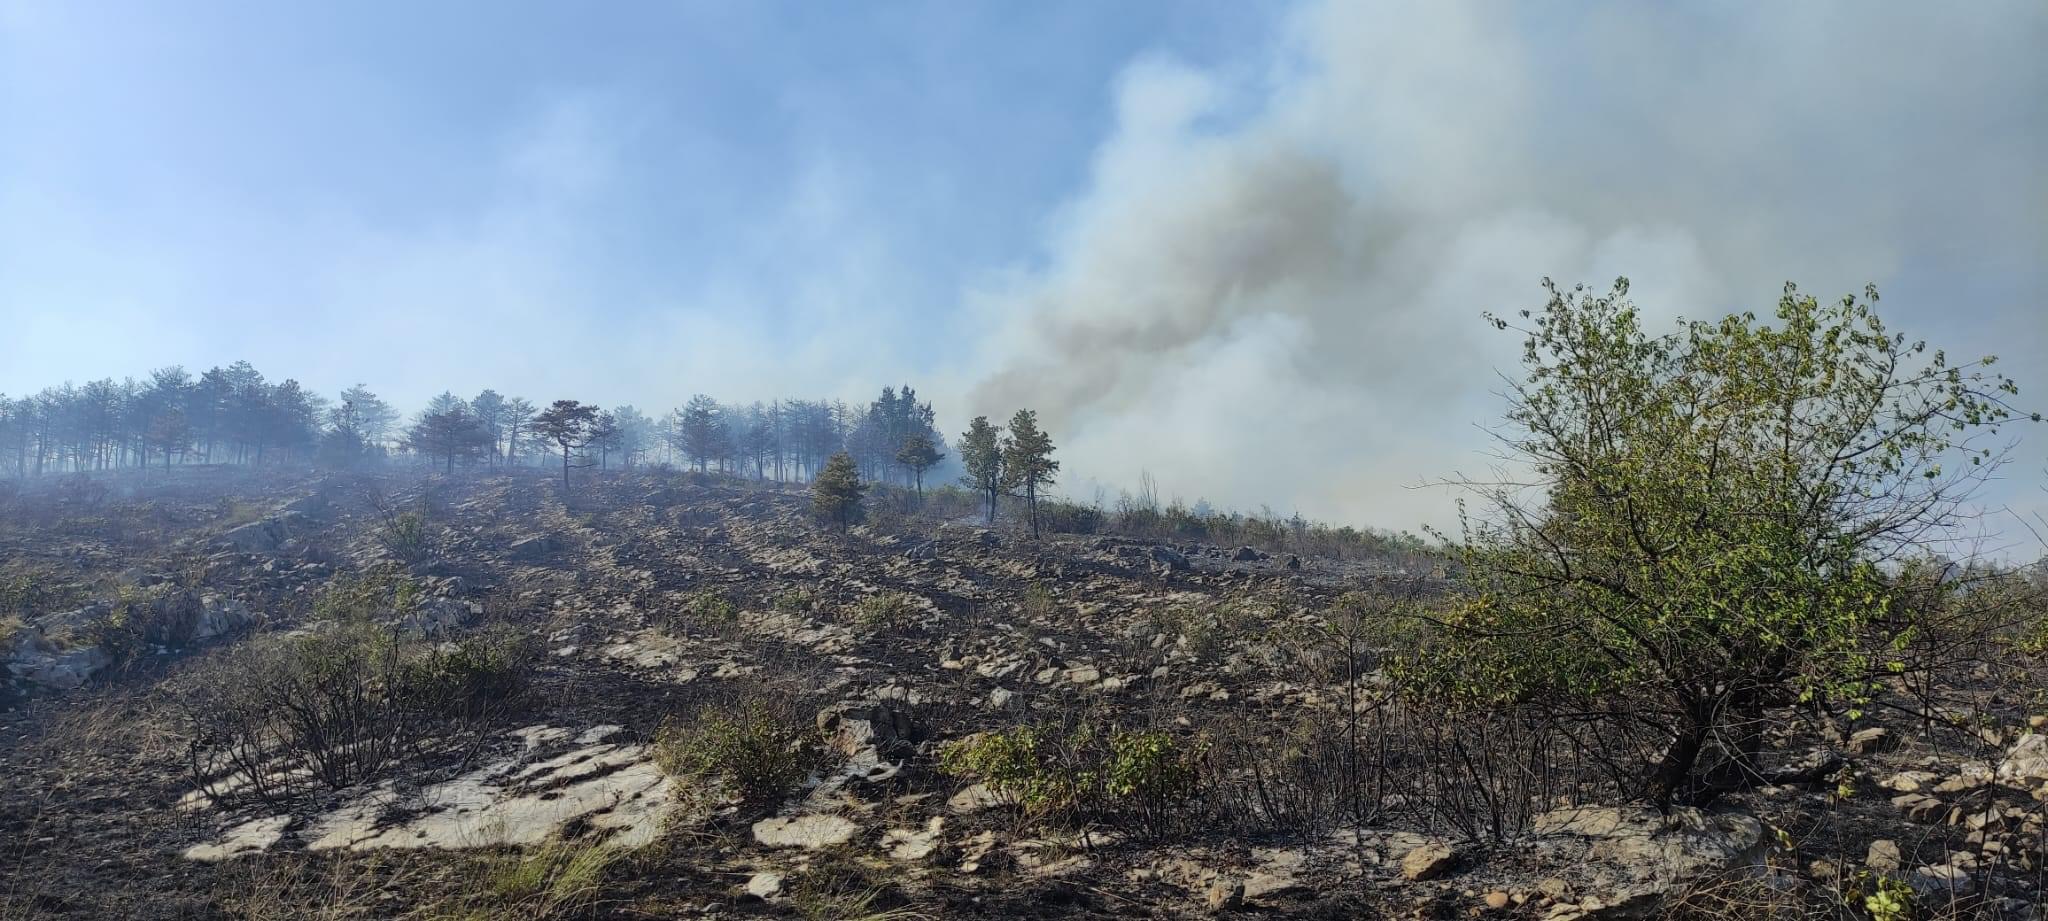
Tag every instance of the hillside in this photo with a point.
(272, 695)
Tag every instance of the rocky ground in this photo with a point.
(652, 593)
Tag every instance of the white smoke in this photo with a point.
(1270, 293)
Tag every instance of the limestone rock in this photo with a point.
(765, 885)
(1872, 740)
(1637, 856)
(810, 832)
(1170, 559)
(1428, 861)
(1224, 895)
(2026, 763)
(38, 662)
(537, 547)
(266, 535)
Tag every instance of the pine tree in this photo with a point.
(700, 430)
(567, 423)
(981, 452)
(1027, 462)
(917, 455)
(836, 492)
(450, 433)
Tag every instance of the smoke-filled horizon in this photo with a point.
(1246, 252)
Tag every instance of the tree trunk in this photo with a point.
(1672, 778)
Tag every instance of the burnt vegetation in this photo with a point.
(1704, 650)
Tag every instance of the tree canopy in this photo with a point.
(1700, 532)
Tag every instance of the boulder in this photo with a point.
(265, 535)
(218, 617)
(34, 660)
(1872, 740)
(1637, 856)
(2026, 763)
(857, 725)
(1428, 861)
(1224, 895)
(536, 547)
(1170, 559)
(1246, 555)
(765, 885)
(439, 616)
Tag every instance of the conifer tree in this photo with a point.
(567, 424)
(836, 492)
(1027, 462)
(917, 455)
(981, 452)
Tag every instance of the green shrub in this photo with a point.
(471, 676)
(32, 592)
(405, 535)
(1016, 765)
(886, 611)
(365, 597)
(796, 601)
(1069, 517)
(707, 609)
(1136, 775)
(756, 748)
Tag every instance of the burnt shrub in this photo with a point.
(280, 717)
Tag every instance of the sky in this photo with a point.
(1242, 247)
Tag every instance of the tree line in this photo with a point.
(235, 415)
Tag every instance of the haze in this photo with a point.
(1242, 247)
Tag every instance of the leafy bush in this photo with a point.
(1139, 775)
(796, 601)
(138, 623)
(33, 592)
(1069, 517)
(886, 611)
(756, 748)
(1702, 538)
(405, 535)
(365, 597)
(707, 609)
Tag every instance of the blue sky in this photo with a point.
(162, 161)
(1241, 246)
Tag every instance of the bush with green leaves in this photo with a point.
(405, 535)
(366, 596)
(795, 601)
(754, 747)
(30, 592)
(886, 611)
(705, 610)
(1703, 542)
(1085, 772)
